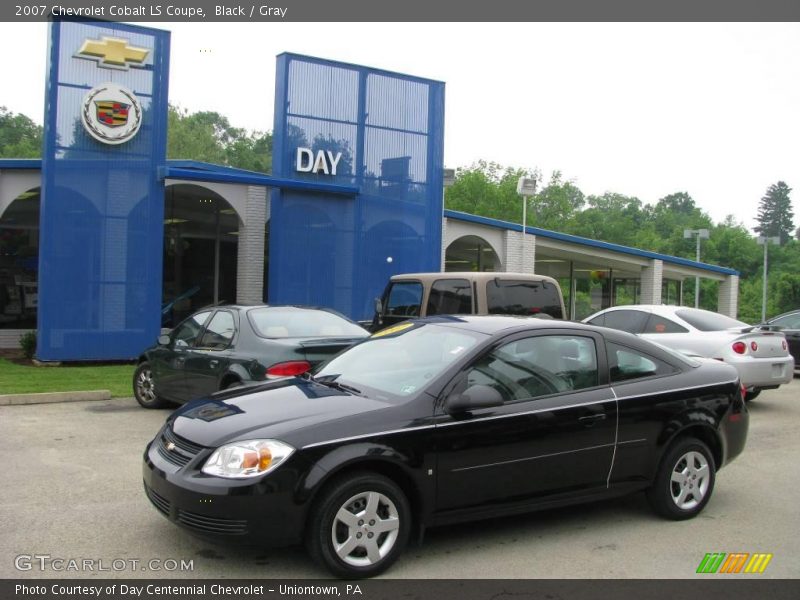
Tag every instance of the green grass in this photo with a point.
(24, 379)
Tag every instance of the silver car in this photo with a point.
(761, 357)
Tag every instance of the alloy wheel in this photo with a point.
(689, 480)
(145, 387)
(365, 529)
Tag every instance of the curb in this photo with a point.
(51, 397)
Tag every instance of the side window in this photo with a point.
(219, 333)
(404, 299)
(625, 364)
(187, 332)
(450, 297)
(788, 322)
(537, 366)
(657, 324)
(516, 297)
(632, 321)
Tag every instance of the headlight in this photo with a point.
(250, 458)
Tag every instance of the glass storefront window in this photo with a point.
(19, 262)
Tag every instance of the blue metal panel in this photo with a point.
(102, 206)
(339, 252)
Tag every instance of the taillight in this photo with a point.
(743, 390)
(739, 347)
(289, 368)
(753, 346)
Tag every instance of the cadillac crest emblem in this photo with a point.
(111, 114)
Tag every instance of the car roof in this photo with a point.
(247, 307)
(786, 314)
(658, 309)
(251, 306)
(472, 276)
(491, 324)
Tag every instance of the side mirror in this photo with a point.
(477, 396)
(378, 306)
(163, 340)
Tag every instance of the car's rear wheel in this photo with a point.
(144, 387)
(359, 526)
(685, 480)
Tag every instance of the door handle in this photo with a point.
(213, 363)
(590, 420)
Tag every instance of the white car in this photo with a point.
(761, 357)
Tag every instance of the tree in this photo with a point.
(209, 137)
(555, 203)
(775, 214)
(20, 137)
(488, 189)
(611, 217)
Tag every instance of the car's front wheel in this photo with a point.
(685, 480)
(360, 526)
(144, 387)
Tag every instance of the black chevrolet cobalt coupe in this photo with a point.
(442, 420)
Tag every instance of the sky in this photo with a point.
(639, 109)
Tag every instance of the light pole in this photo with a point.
(766, 241)
(702, 234)
(526, 187)
(448, 179)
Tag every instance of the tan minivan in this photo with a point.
(425, 294)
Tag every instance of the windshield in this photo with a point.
(705, 320)
(292, 322)
(401, 360)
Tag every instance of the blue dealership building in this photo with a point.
(103, 241)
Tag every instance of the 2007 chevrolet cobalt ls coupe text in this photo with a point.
(442, 420)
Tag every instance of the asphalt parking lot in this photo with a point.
(71, 489)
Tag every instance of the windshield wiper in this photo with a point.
(330, 381)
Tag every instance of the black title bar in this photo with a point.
(406, 11)
(710, 588)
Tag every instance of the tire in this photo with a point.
(684, 481)
(233, 384)
(144, 389)
(752, 395)
(336, 521)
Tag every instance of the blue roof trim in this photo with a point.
(582, 241)
(250, 178)
(20, 163)
(205, 166)
(201, 171)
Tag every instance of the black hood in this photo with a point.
(275, 410)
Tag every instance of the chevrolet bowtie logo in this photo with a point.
(113, 53)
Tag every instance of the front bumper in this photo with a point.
(764, 372)
(262, 511)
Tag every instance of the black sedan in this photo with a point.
(443, 420)
(789, 324)
(232, 346)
